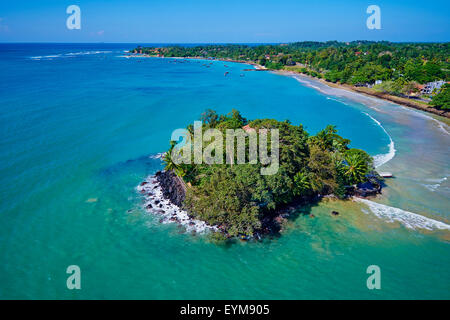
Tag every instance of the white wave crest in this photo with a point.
(408, 219)
(49, 57)
(443, 127)
(337, 100)
(381, 159)
(67, 55)
(157, 156)
(83, 53)
(155, 203)
(436, 185)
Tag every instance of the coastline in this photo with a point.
(394, 213)
(364, 91)
(116, 141)
(162, 196)
(370, 93)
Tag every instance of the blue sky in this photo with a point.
(243, 21)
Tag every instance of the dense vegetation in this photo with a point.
(238, 198)
(404, 65)
(442, 99)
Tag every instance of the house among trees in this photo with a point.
(430, 86)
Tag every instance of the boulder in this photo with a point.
(172, 187)
(367, 189)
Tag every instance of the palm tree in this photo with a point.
(179, 169)
(170, 164)
(356, 167)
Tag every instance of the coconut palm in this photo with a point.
(169, 160)
(356, 167)
(171, 165)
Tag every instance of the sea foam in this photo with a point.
(409, 219)
(155, 203)
(381, 159)
(436, 183)
(67, 55)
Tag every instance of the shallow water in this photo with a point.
(77, 129)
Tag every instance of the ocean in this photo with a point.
(81, 126)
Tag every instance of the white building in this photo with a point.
(430, 86)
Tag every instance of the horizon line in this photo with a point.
(175, 42)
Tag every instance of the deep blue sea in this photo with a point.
(80, 126)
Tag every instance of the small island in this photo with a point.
(236, 200)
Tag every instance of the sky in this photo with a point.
(217, 21)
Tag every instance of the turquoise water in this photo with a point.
(79, 125)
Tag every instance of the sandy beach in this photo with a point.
(361, 90)
(371, 93)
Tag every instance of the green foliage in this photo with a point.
(356, 62)
(238, 197)
(357, 165)
(333, 76)
(210, 117)
(302, 186)
(442, 99)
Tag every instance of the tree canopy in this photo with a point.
(238, 197)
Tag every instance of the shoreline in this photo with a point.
(160, 194)
(154, 191)
(364, 91)
(163, 197)
(175, 214)
(373, 94)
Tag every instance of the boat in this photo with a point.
(386, 175)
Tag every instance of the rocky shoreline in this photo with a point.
(163, 195)
(172, 186)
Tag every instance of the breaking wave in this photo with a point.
(381, 159)
(434, 183)
(408, 219)
(443, 127)
(67, 55)
(157, 155)
(155, 203)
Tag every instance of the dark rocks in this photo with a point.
(149, 206)
(334, 213)
(367, 189)
(172, 186)
(143, 183)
